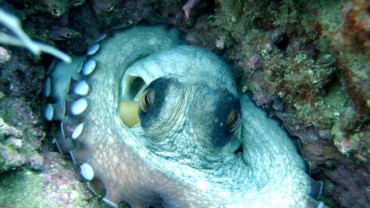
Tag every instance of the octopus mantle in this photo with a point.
(182, 152)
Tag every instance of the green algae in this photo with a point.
(15, 187)
(329, 187)
(23, 189)
(26, 188)
(238, 17)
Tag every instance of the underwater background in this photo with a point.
(306, 62)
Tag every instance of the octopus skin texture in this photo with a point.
(154, 122)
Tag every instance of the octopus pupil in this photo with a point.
(147, 100)
(233, 121)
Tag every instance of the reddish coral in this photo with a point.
(353, 38)
(356, 86)
(356, 28)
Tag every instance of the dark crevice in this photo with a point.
(239, 150)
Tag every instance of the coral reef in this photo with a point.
(306, 62)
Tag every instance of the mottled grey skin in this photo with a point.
(179, 155)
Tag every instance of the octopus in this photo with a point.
(154, 122)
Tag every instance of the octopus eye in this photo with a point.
(233, 121)
(147, 99)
